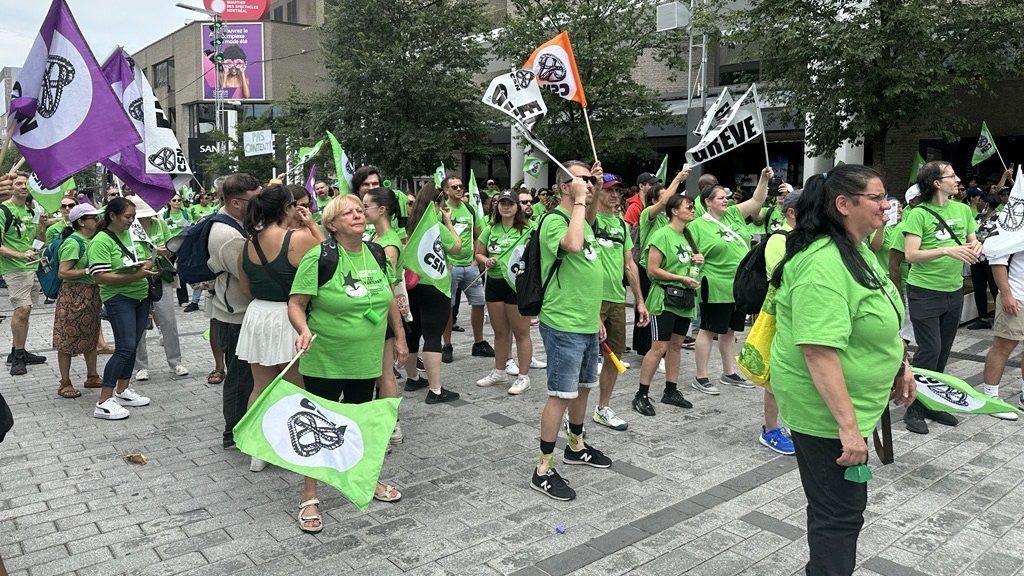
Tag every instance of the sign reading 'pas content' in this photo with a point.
(258, 142)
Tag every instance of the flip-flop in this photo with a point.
(391, 494)
(93, 381)
(311, 518)
(68, 391)
(215, 377)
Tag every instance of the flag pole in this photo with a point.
(18, 165)
(533, 140)
(292, 363)
(764, 131)
(590, 133)
(1000, 155)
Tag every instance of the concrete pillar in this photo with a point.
(518, 155)
(815, 164)
(850, 154)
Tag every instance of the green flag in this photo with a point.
(532, 165)
(340, 444)
(439, 174)
(424, 254)
(945, 393)
(342, 167)
(48, 198)
(662, 174)
(915, 167)
(474, 195)
(307, 152)
(986, 146)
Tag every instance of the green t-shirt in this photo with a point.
(176, 222)
(54, 230)
(945, 273)
(199, 211)
(647, 227)
(463, 220)
(75, 248)
(820, 303)
(723, 244)
(775, 250)
(899, 245)
(17, 236)
(106, 256)
(616, 244)
(348, 344)
(538, 210)
(572, 302)
(889, 237)
(147, 242)
(505, 245)
(390, 238)
(676, 258)
(772, 219)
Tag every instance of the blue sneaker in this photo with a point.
(777, 441)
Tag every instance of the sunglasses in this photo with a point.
(67, 206)
(525, 202)
(456, 186)
(175, 200)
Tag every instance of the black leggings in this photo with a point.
(344, 390)
(981, 277)
(430, 310)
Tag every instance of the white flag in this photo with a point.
(163, 151)
(742, 125)
(1008, 237)
(716, 114)
(518, 95)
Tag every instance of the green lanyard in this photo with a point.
(370, 314)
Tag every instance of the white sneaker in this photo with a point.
(131, 398)
(624, 364)
(181, 370)
(606, 417)
(511, 368)
(1020, 401)
(495, 377)
(255, 464)
(142, 375)
(397, 437)
(661, 366)
(1009, 416)
(520, 385)
(109, 409)
(534, 363)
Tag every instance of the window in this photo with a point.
(293, 11)
(739, 73)
(163, 74)
(278, 14)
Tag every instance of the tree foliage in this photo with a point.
(608, 39)
(402, 92)
(864, 69)
(235, 160)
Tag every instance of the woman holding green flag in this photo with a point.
(349, 310)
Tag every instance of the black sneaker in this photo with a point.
(642, 404)
(589, 455)
(31, 358)
(979, 324)
(49, 301)
(483, 349)
(192, 307)
(419, 366)
(457, 328)
(689, 343)
(413, 385)
(18, 366)
(394, 370)
(675, 398)
(446, 354)
(914, 419)
(444, 396)
(553, 485)
(944, 418)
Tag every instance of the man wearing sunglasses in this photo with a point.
(19, 227)
(465, 274)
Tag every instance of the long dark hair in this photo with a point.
(386, 199)
(116, 206)
(424, 198)
(817, 216)
(652, 194)
(268, 207)
(519, 221)
(926, 177)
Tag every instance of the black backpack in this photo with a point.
(192, 247)
(529, 286)
(327, 264)
(750, 286)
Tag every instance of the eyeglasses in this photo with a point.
(293, 204)
(872, 197)
(947, 176)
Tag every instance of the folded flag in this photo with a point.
(424, 253)
(945, 393)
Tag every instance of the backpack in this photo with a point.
(327, 264)
(192, 248)
(750, 286)
(49, 279)
(10, 220)
(529, 286)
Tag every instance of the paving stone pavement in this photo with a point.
(691, 491)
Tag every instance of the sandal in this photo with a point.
(68, 390)
(93, 381)
(312, 518)
(215, 377)
(108, 349)
(389, 494)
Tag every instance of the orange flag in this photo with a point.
(555, 66)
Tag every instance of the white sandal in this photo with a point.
(315, 517)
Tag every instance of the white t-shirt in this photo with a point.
(1015, 273)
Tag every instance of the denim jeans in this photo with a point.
(128, 319)
(572, 361)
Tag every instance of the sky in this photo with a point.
(105, 24)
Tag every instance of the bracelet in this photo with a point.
(580, 204)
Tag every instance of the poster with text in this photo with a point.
(242, 75)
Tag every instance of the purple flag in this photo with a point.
(129, 164)
(65, 112)
(310, 181)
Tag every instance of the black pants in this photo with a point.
(983, 281)
(430, 308)
(835, 506)
(935, 316)
(238, 379)
(642, 336)
(346, 391)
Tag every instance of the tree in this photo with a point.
(235, 160)
(865, 69)
(402, 90)
(608, 38)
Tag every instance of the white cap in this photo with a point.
(82, 210)
(912, 192)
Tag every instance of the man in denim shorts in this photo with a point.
(570, 325)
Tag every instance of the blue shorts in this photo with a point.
(467, 279)
(572, 361)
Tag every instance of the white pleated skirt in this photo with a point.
(267, 337)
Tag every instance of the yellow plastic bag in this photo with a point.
(755, 356)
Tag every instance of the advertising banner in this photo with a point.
(242, 77)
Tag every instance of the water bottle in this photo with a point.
(694, 271)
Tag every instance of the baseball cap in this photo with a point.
(912, 192)
(611, 180)
(646, 178)
(974, 191)
(489, 182)
(82, 210)
(505, 195)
